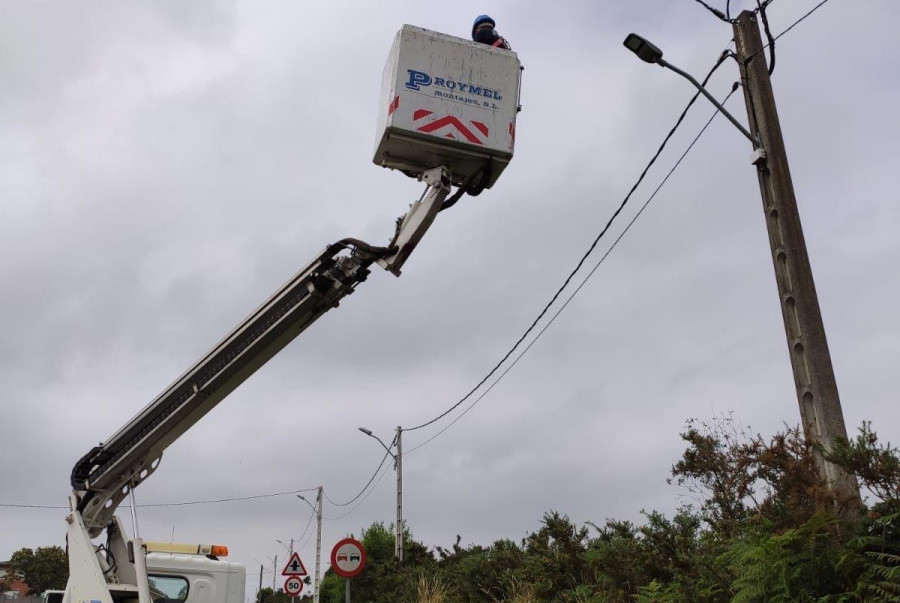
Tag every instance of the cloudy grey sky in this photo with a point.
(165, 166)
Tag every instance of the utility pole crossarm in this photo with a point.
(817, 393)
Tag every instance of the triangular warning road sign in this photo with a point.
(294, 567)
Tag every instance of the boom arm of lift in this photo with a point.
(102, 478)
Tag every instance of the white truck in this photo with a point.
(451, 72)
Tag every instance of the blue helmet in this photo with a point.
(482, 19)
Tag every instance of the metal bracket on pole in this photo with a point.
(416, 222)
(758, 156)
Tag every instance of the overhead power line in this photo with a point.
(798, 21)
(678, 122)
(361, 492)
(16, 506)
(174, 504)
(765, 21)
(722, 16)
(586, 278)
(363, 499)
(583, 259)
(772, 40)
(306, 529)
(224, 500)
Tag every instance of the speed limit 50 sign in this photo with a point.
(293, 586)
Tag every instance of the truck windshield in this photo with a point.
(168, 589)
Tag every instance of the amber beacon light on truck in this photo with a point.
(210, 550)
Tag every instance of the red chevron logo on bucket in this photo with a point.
(451, 123)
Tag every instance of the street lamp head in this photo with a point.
(301, 497)
(646, 51)
(368, 432)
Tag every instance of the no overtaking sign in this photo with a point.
(348, 557)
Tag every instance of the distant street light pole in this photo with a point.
(816, 387)
(318, 511)
(274, 571)
(289, 549)
(398, 466)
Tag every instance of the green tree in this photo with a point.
(47, 568)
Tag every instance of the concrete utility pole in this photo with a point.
(317, 509)
(820, 406)
(398, 467)
(290, 554)
(398, 540)
(318, 542)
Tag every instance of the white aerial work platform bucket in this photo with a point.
(446, 101)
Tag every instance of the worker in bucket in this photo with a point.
(483, 32)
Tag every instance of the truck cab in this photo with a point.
(180, 578)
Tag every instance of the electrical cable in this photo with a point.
(308, 537)
(792, 26)
(15, 506)
(361, 492)
(543, 312)
(378, 481)
(215, 501)
(583, 258)
(714, 11)
(222, 500)
(451, 201)
(765, 21)
(173, 504)
(797, 22)
(585, 280)
(306, 529)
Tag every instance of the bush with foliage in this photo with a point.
(762, 526)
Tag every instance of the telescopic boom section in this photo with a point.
(102, 477)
